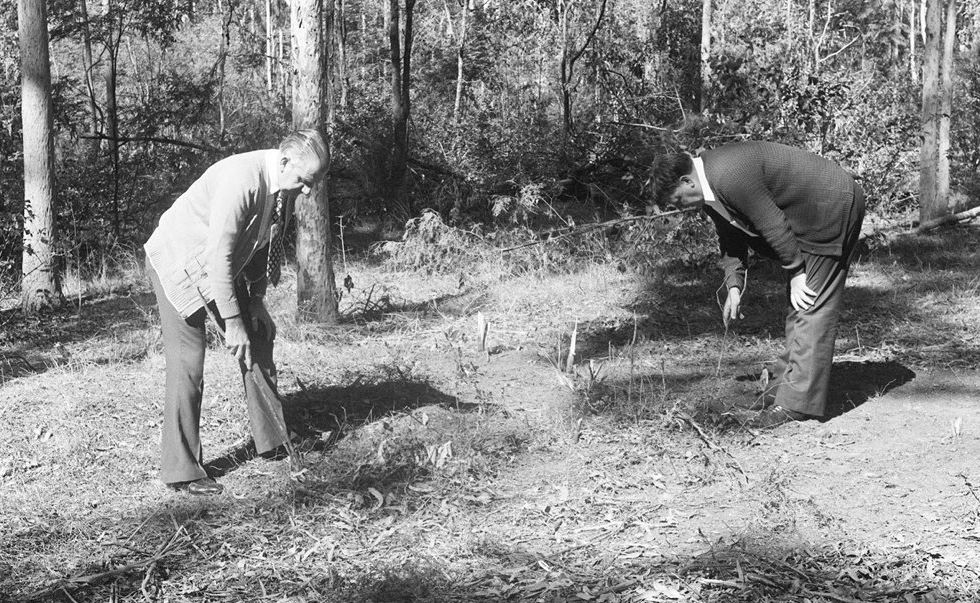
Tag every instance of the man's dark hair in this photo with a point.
(665, 175)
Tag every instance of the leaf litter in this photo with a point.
(435, 473)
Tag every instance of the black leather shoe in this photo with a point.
(276, 454)
(776, 416)
(205, 486)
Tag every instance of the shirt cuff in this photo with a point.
(797, 266)
(228, 309)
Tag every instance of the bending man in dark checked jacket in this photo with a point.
(222, 241)
(798, 208)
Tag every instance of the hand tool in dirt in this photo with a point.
(266, 395)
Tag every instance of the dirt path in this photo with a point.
(900, 470)
(887, 489)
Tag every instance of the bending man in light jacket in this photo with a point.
(221, 241)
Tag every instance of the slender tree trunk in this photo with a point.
(39, 285)
(113, 36)
(89, 64)
(315, 287)
(223, 43)
(340, 59)
(457, 103)
(706, 15)
(269, 50)
(409, 40)
(400, 100)
(112, 129)
(945, 112)
(327, 59)
(913, 35)
(565, 69)
(363, 60)
(936, 88)
(284, 79)
(570, 55)
(922, 20)
(930, 106)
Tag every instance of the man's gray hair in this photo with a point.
(306, 144)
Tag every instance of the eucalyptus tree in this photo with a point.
(315, 286)
(40, 286)
(937, 99)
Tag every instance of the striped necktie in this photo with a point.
(277, 230)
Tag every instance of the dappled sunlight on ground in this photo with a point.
(436, 471)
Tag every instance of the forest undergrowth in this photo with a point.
(435, 471)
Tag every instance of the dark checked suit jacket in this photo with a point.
(778, 200)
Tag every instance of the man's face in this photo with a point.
(688, 194)
(298, 176)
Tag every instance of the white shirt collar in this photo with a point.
(709, 194)
(272, 169)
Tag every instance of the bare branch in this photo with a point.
(160, 140)
(573, 231)
(963, 216)
(589, 38)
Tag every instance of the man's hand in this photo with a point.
(236, 340)
(801, 296)
(261, 318)
(732, 304)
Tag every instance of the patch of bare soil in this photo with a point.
(436, 472)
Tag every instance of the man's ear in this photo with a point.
(687, 181)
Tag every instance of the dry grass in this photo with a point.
(434, 472)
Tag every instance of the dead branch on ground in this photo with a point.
(957, 218)
(179, 541)
(710, 443)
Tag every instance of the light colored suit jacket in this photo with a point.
(217, 232)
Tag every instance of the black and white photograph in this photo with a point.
(451, 301)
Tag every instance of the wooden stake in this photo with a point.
(570, 361)
(482, 328)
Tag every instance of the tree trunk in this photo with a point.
(109, 75)
(329, 74)
(457, 103)
(88, 64)
(400, 100)
(913, 34)
(937, 79)
(223, 43)
(340, 59)
(268, 47)
(570, 55)
(39, 286)
(565, 69)
(283, 72)
(922, 20)
(945, 111)
(315, 287)
(706, 14)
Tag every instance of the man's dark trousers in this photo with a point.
(810, 334)
(184, 342)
